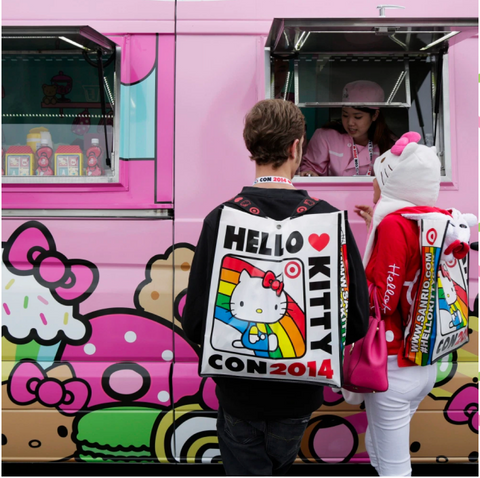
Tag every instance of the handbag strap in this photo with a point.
(372, 291)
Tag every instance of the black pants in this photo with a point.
(260, 447)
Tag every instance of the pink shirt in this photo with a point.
(330, 153)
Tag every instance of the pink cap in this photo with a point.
(363, 91)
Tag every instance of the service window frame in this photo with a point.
(287, 37)
(90, 39)
(443, 143)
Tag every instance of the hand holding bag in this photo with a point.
(365, 361)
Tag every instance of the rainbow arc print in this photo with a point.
(290, 330)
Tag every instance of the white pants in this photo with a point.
(389, 413)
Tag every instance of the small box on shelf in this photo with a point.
(19, 161)
(68, 161)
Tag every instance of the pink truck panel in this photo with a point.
(95, 364)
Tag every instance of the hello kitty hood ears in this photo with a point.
(409, 171)
(399, 146)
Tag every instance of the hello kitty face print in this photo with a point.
(39, 408)
(447, 285)
(276, 307)
(258, 301)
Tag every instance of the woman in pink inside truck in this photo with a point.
(350, 148)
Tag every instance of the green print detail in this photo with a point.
(113, 433)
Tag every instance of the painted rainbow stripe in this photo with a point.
(290, 330)
(12, 353)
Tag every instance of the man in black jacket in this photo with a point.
(260, 423)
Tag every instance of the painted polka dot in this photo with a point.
(332, 432)
(89, 349)
(126, 381)
(163, 396)
(185, 266)
(167, 355)
(444, 366)
(155, 295)
(389, 336)
(130, 337)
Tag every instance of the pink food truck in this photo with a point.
(121, 129)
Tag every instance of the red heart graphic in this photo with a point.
(319, 242)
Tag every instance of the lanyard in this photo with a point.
(272, 179)
(355, 158)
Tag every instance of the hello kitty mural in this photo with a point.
(88, 375)
(121, 384)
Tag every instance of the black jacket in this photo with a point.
(257, 399)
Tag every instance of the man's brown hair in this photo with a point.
(271, 127)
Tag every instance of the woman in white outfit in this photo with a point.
(407, 180)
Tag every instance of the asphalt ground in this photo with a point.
(92, 470)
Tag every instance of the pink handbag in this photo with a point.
(365, 361)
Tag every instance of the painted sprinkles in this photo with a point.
(41, 299)
(65, 318)
(10, 284)
(7, 310)
(25, 302)
(44, 320)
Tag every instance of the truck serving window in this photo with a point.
(60, 107)
(311, 61)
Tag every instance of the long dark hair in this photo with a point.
(379, 133)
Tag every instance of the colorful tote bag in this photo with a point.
(438, 319)
(278, 297)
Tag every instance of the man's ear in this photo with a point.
(292, 152)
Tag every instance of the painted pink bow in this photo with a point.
(270, 281)
(31, 250)
(462, 407)
(29, 384)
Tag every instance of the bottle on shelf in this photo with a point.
(94, 158)
(43, 155)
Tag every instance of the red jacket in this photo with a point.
(393, 270)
